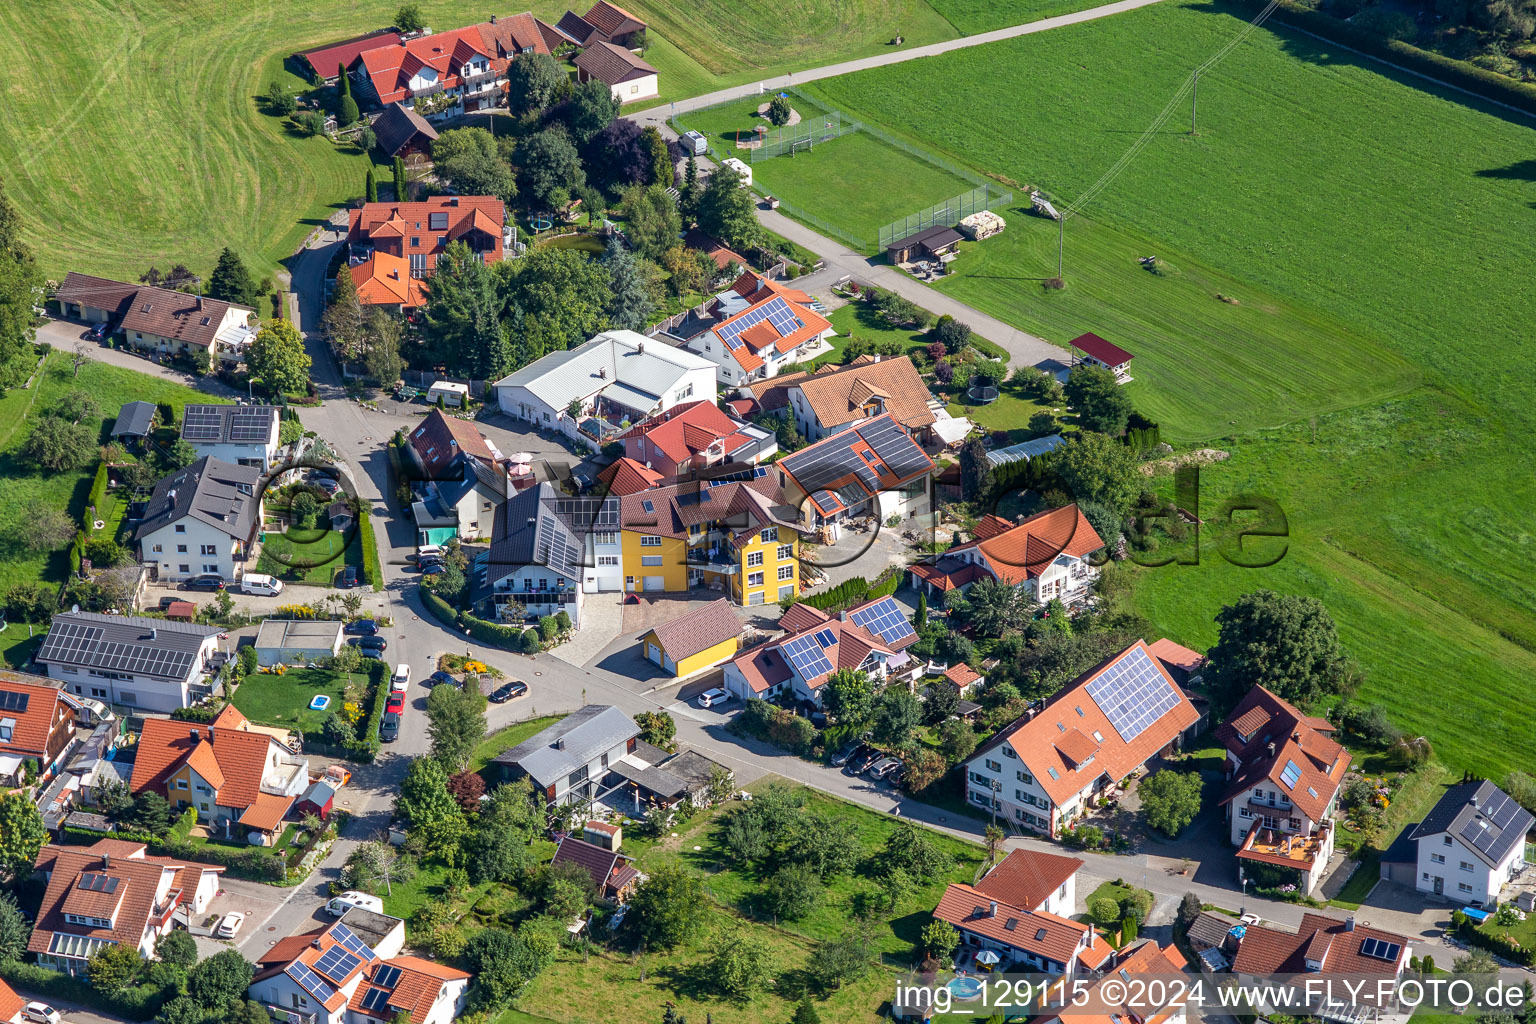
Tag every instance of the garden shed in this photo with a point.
(317, 800)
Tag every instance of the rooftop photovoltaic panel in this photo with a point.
(589, 513)
(202, 423)
(376, 999)
(806, 655)
(349, 941)
(1133, 694)
(1291, 774)
(386, 976)
(98, 883)
(1380, 949)
(250, 423)
(310, 981)
(826, 638)
(10, 700)
(885, 619)
(337, 963)
(776, 311)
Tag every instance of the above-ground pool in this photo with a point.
(965, 988)
(320, 702)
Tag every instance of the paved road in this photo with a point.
(658, 115)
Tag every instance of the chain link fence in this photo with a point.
(947, 213)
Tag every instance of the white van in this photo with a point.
(401, 681)
(339, 905)
(429, 551)
(257, 583)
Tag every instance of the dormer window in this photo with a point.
(7, 729)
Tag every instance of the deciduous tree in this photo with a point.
(344, 318)
(463, 328)
(22, 835)
(381, 359)
(743, 966)
(792, 892)
(533, 82)
(591, 108)
(957, 740)
(562, 295)
(940, 940)
(547, 162)
(837, 961)
(668, 908)
(456, 724)
(409, 18)
(654, 222)
(1099, 400)
(896, 714)
(57, 445)
(427, 807)
(497, 849)
(277, 358)
(849, 697)
(1098, 468)
(1170, 800)
(617, 157)
(177, 948)
(114, 967)
(1286, 643)
(479, 174)
(221, 980)
(727, 211)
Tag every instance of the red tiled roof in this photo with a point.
(1145, 959)
(612, 64)
(1025, 551)
(947, 578)
(842, 397)
(684, 430)
(1331, 942)
(1105, 352)
(990, 525)
(384, 279)
(626, 476)
(1180, 661)
(961, 674)
(676, 506)
(10, 1003)
(379, 224)
(266, 813)
(801, 616)
(161, 312)
(236, 755)
(612, 20)
(758, 290)
(1038, 932)
(1039, 741)
(697, 630)
(415, 991)
(326, 60)
(42, 730)
(763, 667)
(850, 645)
(1262, 719)
(1027, 878)
(773, 394)
(441, 438)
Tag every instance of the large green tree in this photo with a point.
(1099, 400)
(1098, 468)
(547, 162)
(663, 170)
(277, 359)
(20, 280)
(382, 359)
(742, 966)
(462, 323)
(114, 967)
(456, 724)
(504, 962)
(409, 18)
(1170, 800)
(836, 961)
(231, 281)
(629, 305)
(996, 607)
(654, 222)
(896, 714)
(22, 835)
(533, 82)
(562, 296)
(57, 445)
(479, 174)
(590, 109)
(1286, 643)
(344, 319)
(975, 469)
(668, 908)
(14, 930)
(177, 948)
(728, 211)
(849, 696)
(497, 848)
(426, 805)
(219, 982)
(457, 142)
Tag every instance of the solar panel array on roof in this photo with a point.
(776, 311)
(1381, 949)
(376, 999)
(806, 655)
(1291, 774)
(826, 638)
(94, 882)
(250, 423)
(885, 619)
(336, 963)
(592, 513)
(211, 424)
(10, 700)
(349, 941)
(1486, 830)
(386, 975)
(201, 423)
(310, 981)
(77, 643)
(1132, 694)
(894, 446)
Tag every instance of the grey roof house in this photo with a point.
(127, 661)
(536, 559)
(201, 519)
(567, 761)
(135, 421)
(1470, 844)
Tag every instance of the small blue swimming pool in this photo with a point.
(965, 988)
(320, 702)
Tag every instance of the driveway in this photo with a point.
(601, 622)
(253, 899)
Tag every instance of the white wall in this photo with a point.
(513, 583)
(640, 89)
(601, 577)
(198, 535)
(1482, 882)
(1014, 799)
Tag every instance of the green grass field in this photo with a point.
(270, 699)
(972, 16)
(20, 484)
(1353, 212)
(309, 556)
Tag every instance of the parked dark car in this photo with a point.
(842, 756)
(507, 691)
(99, 331)
(883, 767)
(860, 761)
(389, 728)
(348, 578)
(898, 776)
(440, 679)
(434, 569)
(372, 646)
(207, 581)
(362, 627)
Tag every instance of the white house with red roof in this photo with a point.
(871, 637)
(1025, 940)
(412, 236)
(753, 328)
(694, 435)
(466, 66)
(352, 972)
(1035, 880)
(1324, 945)
(1046, 554)
(112, 894)
(1042, 771)
(1284, 770)
(1109, 1000)
(1092, 350)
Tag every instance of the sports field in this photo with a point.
(1365, 211)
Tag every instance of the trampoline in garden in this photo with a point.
(541, 222)
(320, 702)
(981, 394)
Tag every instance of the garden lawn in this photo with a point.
(110, 387)
(506, 739)
(973, 16)
(858, 320)
(19, 643)
(1344, 382)
(267, 698)
(309, 556)
(733, 887)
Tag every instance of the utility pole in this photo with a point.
(1061, 240)
(1193, 97)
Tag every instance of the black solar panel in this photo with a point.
(349, 941)
(10, 700)
(776, 311)
(805, 654)
(386, 975)
(250, 424)
(93, 882)
(80, 644)
(1380, 949)
(310, 981)
(376, 999)
(337, 963)
(202, 423)
(1133, 694)
(885, 619)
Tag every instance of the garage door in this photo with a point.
(655, 583)
(653, 653)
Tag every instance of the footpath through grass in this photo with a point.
(1344, 381)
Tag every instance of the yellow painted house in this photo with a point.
(702, 638)
(731, 537)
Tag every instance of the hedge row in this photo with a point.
(257, 863)
(365, 747)
(98, 490)
(513, 638)
(1498, 945)
(1487, 84)
(141, 1002)
(856, 590)
(372, 570)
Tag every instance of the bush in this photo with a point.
(138, 1003)
(440, 609)
(510, 637)
(373, 572)
(549, 629)
(1104, 911)
(532, 642)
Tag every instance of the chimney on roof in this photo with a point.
(153, 632)
(639, 347)
(992, 909)
(560, 743)
(602, 373)
(1271, 748)
(1090, 936)
(106, 862)
(1349, 923)
(193, 734)
(454, 201)
(493, 19)
(199, 303)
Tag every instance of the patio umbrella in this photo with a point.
(987, 957)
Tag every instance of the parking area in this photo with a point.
(236, 895)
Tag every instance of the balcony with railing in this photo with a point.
(713, 560)
(475, 85)
(283, 1015)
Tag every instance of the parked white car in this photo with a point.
(230, 926)
(260, 584)
(346, 901)
(401, 680)
(709, 698)
(41, 1013)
